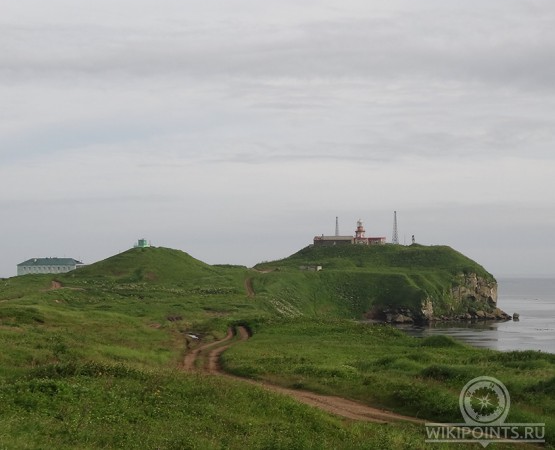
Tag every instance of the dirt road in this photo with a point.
(207, 357)
(249, 288)
(190, 361)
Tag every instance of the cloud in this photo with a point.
(503, 43)
(274, 116)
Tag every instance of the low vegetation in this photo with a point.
(95, 405)
(380, 365)
(92, 358)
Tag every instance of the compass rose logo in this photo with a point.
(484, 401)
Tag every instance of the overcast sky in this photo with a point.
(236, 130)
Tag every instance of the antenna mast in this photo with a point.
(395, 238)
(336, 226)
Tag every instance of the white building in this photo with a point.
(48, 265)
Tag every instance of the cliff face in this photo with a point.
(474, 288)
(471, 298)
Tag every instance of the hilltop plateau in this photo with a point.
(390, 282)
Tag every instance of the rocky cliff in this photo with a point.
(471, 297)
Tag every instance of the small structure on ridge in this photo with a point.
(142, 243)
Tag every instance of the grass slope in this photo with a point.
(94, 364)
(153, 264)
(107, 406)
(382, 366)
(382, 258)
(356, 279)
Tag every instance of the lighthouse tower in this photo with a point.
(360, 238)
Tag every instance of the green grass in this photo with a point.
(154, 265)
(361, 279)
(383, 258)
(95, 364)
(379, 365)
(102, 406)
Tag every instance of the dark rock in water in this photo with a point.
(516, 317)
(500, 314)
(399, 315)
(400, 318)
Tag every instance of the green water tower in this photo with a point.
(142, 243)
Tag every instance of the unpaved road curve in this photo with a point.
(331, 404)
(189, 363)
(213, 359)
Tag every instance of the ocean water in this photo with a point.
(532, 298)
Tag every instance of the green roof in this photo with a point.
(34, 262)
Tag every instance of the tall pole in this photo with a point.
(336, 226)
(395, 237)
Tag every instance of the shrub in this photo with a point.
(443, 372)
(440, 341)
(544, 387)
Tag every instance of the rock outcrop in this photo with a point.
(471, 298)
(474, 288)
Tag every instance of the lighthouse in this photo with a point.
(360, 238)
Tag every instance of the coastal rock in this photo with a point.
(427, 309)
(501, 315)
(516, 317)
(471, 297)
(400, 318)
(473, 287)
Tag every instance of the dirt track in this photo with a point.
(55, 285)
(210, 353)
(249, 288)
(189, 363)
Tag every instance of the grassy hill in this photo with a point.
(358, 279)
(135, 308)
(92, 358)
(151, 264)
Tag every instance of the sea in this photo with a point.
(532, 298)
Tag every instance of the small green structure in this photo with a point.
(142, 243)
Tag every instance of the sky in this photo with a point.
(237, 130)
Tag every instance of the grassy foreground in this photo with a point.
(68, 406)
(380, 365)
